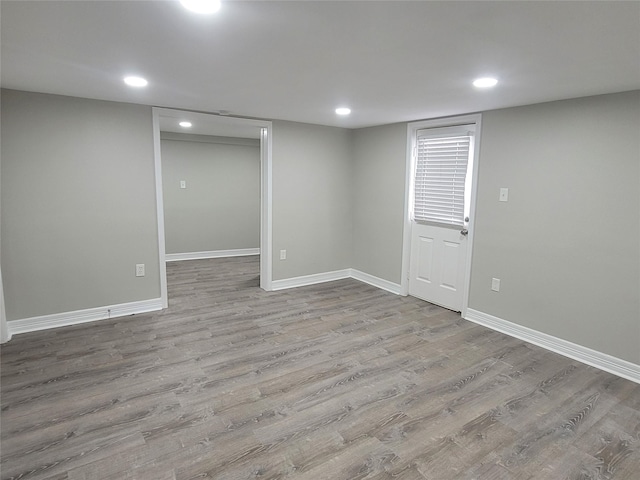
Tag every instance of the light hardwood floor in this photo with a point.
(336, 381)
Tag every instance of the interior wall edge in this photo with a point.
(215, 139)
(600, 360)
(5, 334)
(378, 282)
(65, 319)
(313, 279)
(238, 252)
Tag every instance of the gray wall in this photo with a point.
(220, 208)
(379, 160)
(566, 245)
(78, 210)
(78, 204)
(312, 214)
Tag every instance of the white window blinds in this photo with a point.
(442, 163)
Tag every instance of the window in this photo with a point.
(443, 174)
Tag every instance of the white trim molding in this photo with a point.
(266, 207)
(313, 279)
(337, 275)
(65, 319)
(238, 252)
(600, 360)
(5, 333)
(157, 167)
(376, 281)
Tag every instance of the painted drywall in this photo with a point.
(78, 210)
(78, 204)
(312, 212)
(379, 159)
(566, 246)
(220, 207)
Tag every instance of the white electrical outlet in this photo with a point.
(183, 184)
(139, 269)
(504, 194)
(283, 254)
(495, 284)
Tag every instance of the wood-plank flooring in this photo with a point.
(337, 381)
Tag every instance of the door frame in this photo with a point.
(412, 130)
(5, 334)
(266, 236)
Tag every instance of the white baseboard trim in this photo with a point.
(238, 252)
(310, 279)
(65, 319)
(376, 281)
(600, 360)
(337, 275)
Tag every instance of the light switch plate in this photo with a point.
(504, 194)
(495, 284)
(183, 184)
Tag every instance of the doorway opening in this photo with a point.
(222, 131)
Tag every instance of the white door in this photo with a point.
(442, 179)
(437, 271)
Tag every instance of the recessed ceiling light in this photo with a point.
(202, 6)
(343, 111)
(135, 81)
(486, 82)
(185, 124)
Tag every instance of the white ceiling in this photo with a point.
(390, 61)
